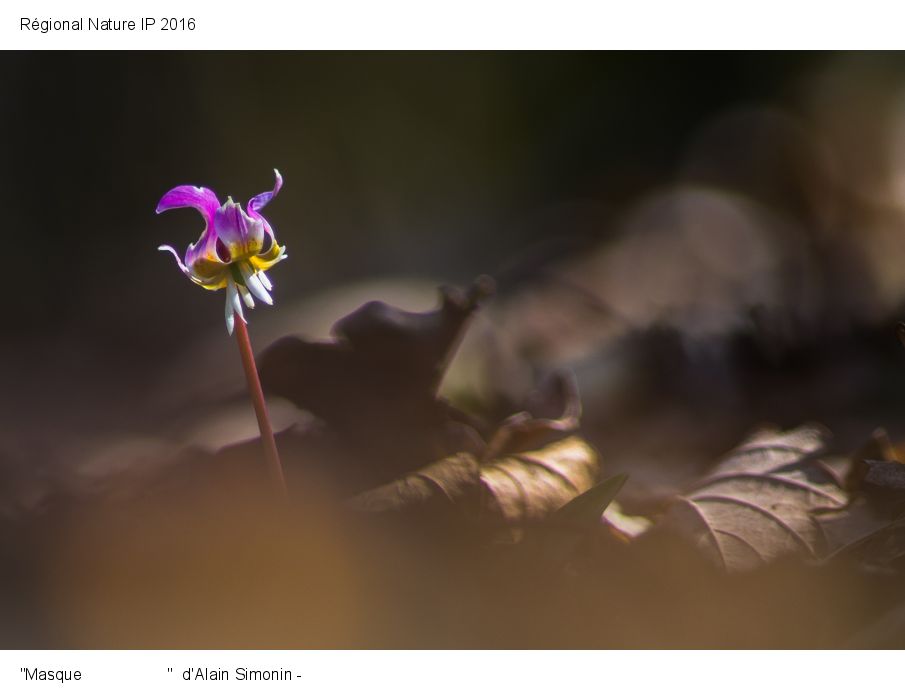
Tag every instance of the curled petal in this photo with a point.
(205, 264)
(200, 198)
(268, 259)
(171, 249)
(258, 202)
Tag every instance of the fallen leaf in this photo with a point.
(758, 504)
(529, 486)
(871, 528)
(383, 367)
(511, 491)
(585, 511)
(447, 482)
(559, 536)
(554, 410)
(374, 386)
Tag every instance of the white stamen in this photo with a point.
(230, 319)
(237, 303)
(254, 285)
(247, 298)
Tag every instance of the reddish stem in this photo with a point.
(271, 455)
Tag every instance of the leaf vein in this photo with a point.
(803, 485)
(763, 512)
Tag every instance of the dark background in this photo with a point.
(430, 165)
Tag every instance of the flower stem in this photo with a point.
(272, 457)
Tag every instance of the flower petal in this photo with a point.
(255, 204)
(242, 235)
(258, 202)
(268, 259)
(265, 280)
(171, 249)
(205, 264)
(200, 198)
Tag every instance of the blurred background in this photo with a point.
(708, 241)
(669, 225)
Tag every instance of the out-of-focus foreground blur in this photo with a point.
(707, 242)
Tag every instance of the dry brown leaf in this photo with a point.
(450, 481)
(871, 528)
(527, 487)
(758, 504)
(514, 490)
